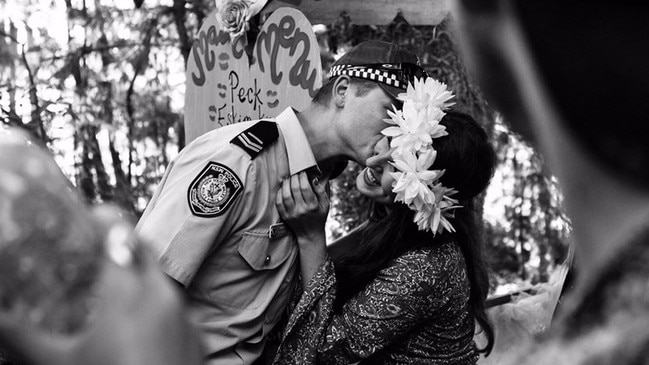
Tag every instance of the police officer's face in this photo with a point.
(375, 180)
(363, 121)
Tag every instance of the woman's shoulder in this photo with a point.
(446, 254)
(430, 263)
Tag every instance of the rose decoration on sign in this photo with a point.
(233, 15)
(412, 131)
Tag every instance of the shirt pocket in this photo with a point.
(262, 253)
(254, 274)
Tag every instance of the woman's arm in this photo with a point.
(305, 210)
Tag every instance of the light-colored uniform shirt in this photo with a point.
(215, 227)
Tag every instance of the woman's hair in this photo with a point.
(469, 160)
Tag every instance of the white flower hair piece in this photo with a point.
(233, 15)
(413, 130)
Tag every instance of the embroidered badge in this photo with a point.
(213, 190)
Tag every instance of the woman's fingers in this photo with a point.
(320, 189)
(279, 202)
(298, 196)
(285, 202)
(287, 195)
(308, 194)
(297, 189)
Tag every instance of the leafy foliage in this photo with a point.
(530, 232)
(102, 95)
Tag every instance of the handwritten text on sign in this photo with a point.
(223, 89)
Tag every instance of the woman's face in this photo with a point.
(374, 181)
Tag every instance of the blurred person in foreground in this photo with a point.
(409, 285)
(571, 77)
(75, 285)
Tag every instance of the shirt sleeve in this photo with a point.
(402, 295)
(196, 205)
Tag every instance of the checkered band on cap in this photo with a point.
(369, 73)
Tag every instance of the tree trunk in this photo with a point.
(179, 14)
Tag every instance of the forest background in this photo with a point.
(101, 84)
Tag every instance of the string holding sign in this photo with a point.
(224, 87)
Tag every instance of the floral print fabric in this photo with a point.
(414, 312)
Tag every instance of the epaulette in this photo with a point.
(254, 139)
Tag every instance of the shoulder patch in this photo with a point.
(213, 190)
(254, 139)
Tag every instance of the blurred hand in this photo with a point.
(141, 317)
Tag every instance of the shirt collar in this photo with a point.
(298, 149)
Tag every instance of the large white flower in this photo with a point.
(435, 217)
(424, 218)
(426, 92)
(413, 129)
(413, 178)
(446, 206)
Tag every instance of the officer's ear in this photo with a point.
(341, 88)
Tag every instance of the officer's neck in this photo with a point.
(319, 126)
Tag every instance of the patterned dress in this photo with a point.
(416, 311)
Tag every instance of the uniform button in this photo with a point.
(267, 260)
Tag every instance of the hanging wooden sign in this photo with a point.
(224, 87)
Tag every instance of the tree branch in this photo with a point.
(179, 14)
(33, 93)
(138, 67)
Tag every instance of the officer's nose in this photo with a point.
(382, 153)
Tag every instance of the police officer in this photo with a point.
(213, 220)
